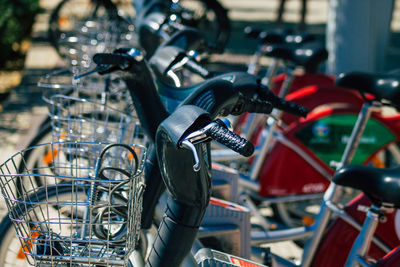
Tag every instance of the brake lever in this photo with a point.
(97, 69)
(109, 70)
(100, 69)
(187, 144)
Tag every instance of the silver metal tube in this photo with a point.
(332, 195)
(247, 184)
(287, 84)
(261, 237)
(260, 157)
(291, 198)
(363, 241)
(350, 220)
(272, 70)
(320, 224)
(255, 61)
(394, 149)
(356, 134)
(247, 202)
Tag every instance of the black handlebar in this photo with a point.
(282, 104)
(121, 60)
(223, 135)
(197, 68)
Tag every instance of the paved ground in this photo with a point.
(23, 110)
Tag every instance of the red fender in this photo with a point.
(316, 96)
(302, 80)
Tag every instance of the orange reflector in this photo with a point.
(377, 162)
(48, 158)
(27, 245)
(63, 135)
(137, 150)
(62, 21)
(307, 220)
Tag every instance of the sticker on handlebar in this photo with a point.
(244, 263)
(225, 204)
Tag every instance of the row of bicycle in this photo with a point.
(77, 201)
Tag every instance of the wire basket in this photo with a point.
(82, 39)
(92, 87)
(78, 204)
(75, 119)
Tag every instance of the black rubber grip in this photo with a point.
(282, 104)
(259, 106)
(233, 141)
(195, 67)
(115, 59)
(251, 32)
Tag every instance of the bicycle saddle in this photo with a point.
(380, 185)
(381, 86)
(277, 36)
(308, 55)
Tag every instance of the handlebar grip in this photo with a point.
(116, 59)
(195, 67)
(286, 106)
(233, 141)
(293, 108)
(251, 32)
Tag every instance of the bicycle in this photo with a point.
(169, 134)
(140, 94)
(95, 191)
(272, 190)
(67, 20)
(331, 197)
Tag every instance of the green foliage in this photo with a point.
(16, 20)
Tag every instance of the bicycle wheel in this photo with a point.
(72, 19)
(33, 156)
(11, 249)
(300, 213)
(211, 19)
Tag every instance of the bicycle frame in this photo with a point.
(329, 205)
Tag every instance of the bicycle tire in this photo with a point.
(10, 245)
(44, 135)
(212, 8)
(93, 10)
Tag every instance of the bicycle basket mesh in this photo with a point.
(83, 38)
(91, 87)
(76, 202)
(76, 119)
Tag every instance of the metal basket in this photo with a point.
(92, 87)
(75, 119)
(88, 37)
(78, 203)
